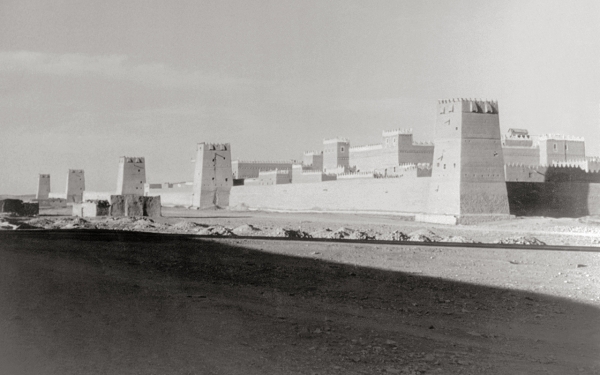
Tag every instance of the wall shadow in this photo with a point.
(153, 278)
(565, 192)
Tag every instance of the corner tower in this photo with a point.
(213, 177)
(75, 186)
(132, 175)
(468, 164)
(43, 191)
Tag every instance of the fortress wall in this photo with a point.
(176, 195)
(416, 154)
(554, 199)
(521, 155)
(57, 196)
(524, 173)
(559, 149)
(250, 169)
(366, 159)
(385, 195)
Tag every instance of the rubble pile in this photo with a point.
(520, 240)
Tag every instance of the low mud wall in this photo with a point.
(385, 195)
(553, 199)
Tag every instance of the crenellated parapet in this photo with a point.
(371, 147)
(313, 153)
(390, 133)
(130, 159)
(560, 137)
(463, 105)
(212, 146)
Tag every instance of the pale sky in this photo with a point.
(84, 82)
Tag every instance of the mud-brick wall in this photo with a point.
(386, 195)
(554, 199)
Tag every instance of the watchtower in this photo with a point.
(75, 186)
(468, 165)
(132, 175)
(336, 153)
(213, 177)
(43, 191)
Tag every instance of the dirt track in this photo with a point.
(134, 303)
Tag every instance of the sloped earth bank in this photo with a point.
(88, 302)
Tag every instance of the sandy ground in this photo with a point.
(126, 302)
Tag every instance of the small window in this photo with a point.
(342, 149)
(444, 166)
(566, 146)
(555, 147)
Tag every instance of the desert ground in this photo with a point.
(193, 292)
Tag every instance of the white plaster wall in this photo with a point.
(385, 195)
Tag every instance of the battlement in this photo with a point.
(309, 153)
(468, 106)
(335, 140)
(75, 170)
(44, 176)
(377, 146)
(213, 146)
(423, 143)
(560, 137)
(131, 159)
(387, 133)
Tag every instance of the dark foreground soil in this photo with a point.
(79, 302)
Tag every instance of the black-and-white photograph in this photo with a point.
(319, 187)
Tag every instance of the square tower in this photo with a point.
(213, 177)
(132, 175)
(336, 153)
(468, 164)
(43, 191)
(75, 186)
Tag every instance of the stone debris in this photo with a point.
(460, 239)
(143, 223)
(520, 240)
(41, 223)
(73, 223)
(342, 233)
(395, 236)
(424, 235)
(215, 230)
(289, 233)
(245, 230)
(5, 225)
(186, 226)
